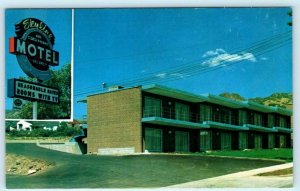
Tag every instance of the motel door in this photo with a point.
(257, 141)
(205, 140)
(181, 141)
(282, 141)
(271, 141)
(225, 141)
(153, 139)
(243, 140)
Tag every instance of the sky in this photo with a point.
(114, 45)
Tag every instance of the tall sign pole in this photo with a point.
(34, 110)
(33, 47)
(35, 106)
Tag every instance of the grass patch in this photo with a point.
(281, 154)
(63, 138)
(282, 172)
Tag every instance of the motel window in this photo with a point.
(182, 111)
(282, 122)
(271, 120)
(257, 119)
(282, 141)
(243, 140)
(153, 139)
(205, 140)
(223, 115)
(225, 141)
(181, 141)
(152, 107)
(271, 141)
(257, 141)
(205, 113)
(242, 117)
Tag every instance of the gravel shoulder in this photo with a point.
(20, 165)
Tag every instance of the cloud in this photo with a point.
(179, 75)
(220, 57)
(172, 75)
(214, 52)
(161, 75)
(264, 58)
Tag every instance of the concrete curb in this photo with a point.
(248, 158)
(35, 141)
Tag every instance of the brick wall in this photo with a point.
(114, 120)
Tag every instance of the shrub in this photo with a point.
(62, 131)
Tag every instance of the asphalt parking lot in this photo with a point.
(135, 171)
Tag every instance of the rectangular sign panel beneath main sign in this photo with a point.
(32, 91)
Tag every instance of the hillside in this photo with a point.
(284, 100)
(233, 96)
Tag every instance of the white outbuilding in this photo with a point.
(23, 125)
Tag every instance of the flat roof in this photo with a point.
(174, 93)
(194, 98)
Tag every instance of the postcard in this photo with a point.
(197, 97)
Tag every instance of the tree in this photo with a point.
(290, 14)
(61, 79)
(233, 96)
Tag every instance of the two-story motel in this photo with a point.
(160, 119)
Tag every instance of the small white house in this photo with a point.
(23, 125)
(54, 128)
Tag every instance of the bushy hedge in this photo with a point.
(62, 131)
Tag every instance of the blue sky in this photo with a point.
(116, 44)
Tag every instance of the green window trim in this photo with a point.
(205, 113)
(225, 141)
(153, 139)
(257, 141)
(181, 141)
(205, 140)
(271, 140)
(243, 140)
(153, 107)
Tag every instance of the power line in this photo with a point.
(261, 44)
(195, 67)
(152, 79)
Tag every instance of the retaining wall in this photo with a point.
(68, 147)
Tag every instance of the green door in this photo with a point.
(205, 140)
(271, 141)
(243, 140)
(225, 141)
(282, 141)
(257, 141)
(181, 141)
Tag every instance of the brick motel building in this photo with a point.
(155, 118)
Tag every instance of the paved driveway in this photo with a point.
(91, 171)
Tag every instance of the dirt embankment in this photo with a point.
(20, 165)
